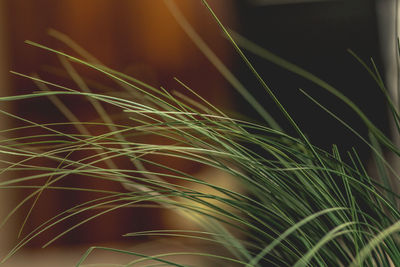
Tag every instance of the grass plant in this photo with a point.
(301, 206)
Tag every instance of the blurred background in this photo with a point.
(142, 39)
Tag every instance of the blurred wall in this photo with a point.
(316, 36)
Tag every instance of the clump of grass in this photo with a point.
(302, 207)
